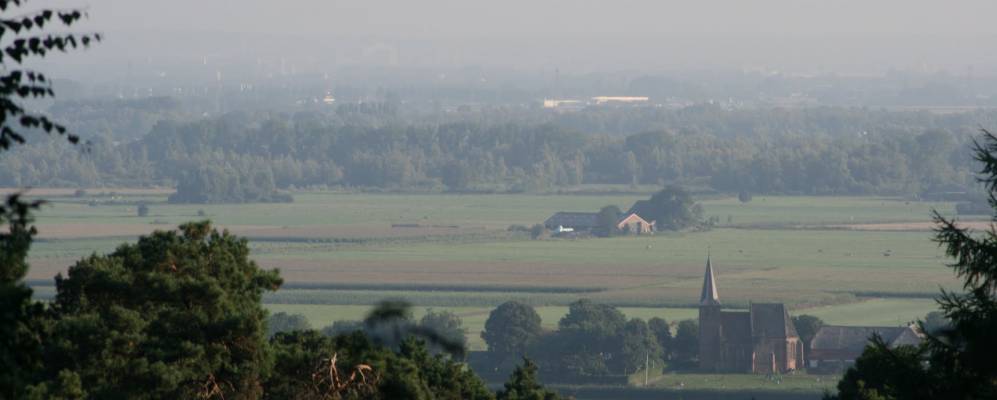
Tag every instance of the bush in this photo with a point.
(537, 231)
(744, 196)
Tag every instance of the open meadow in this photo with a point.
(340, 253)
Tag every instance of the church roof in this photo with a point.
(736, 326)
(709, 297)
(771, 320)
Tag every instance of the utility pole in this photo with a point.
(647, 359)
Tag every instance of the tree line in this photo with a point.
(503, 153)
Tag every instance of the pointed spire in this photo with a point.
(709, 296)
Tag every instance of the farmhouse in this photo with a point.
(760, 340)
(633, 223)
(643, 208)
(572, 221)
(564, 221)
(834, 348)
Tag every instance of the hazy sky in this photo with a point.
(828, 35)
(519, 18)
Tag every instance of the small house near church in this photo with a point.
(835, 348)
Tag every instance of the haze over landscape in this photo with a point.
(448, 199)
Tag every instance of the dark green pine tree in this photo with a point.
(524, 385)
(175, 315)
(21, 330)
(956, 361)
(28, 35)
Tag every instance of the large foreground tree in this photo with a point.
(23, 37)
(957, 361)
(175, 315)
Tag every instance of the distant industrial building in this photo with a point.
(619, 99)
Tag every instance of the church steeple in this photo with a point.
(709, 297)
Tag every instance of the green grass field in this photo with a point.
(785, 249)
(492, 210)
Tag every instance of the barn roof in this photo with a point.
(643, 208)
(771, 320)
(855, 338)
(577, 220)
(630, 217)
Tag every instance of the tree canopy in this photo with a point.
(956, 361)
(511, 328)
(178, 310)
(672, 208)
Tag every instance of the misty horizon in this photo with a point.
(802, 38)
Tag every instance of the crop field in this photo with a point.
(849, 260)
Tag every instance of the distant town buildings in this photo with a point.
(619, 99)
(573, 104)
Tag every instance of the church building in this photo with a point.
(759, 340)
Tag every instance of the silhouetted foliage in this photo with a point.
(447, 324)
(22, 327)
(956, 361)
(935, 322)
(309, 365)
(524, 385)
(178, 311)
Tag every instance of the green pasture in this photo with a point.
(760, 255)
(486, 210)
(809, 210)
(874, 312)
(798, 266)
(794, 266)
